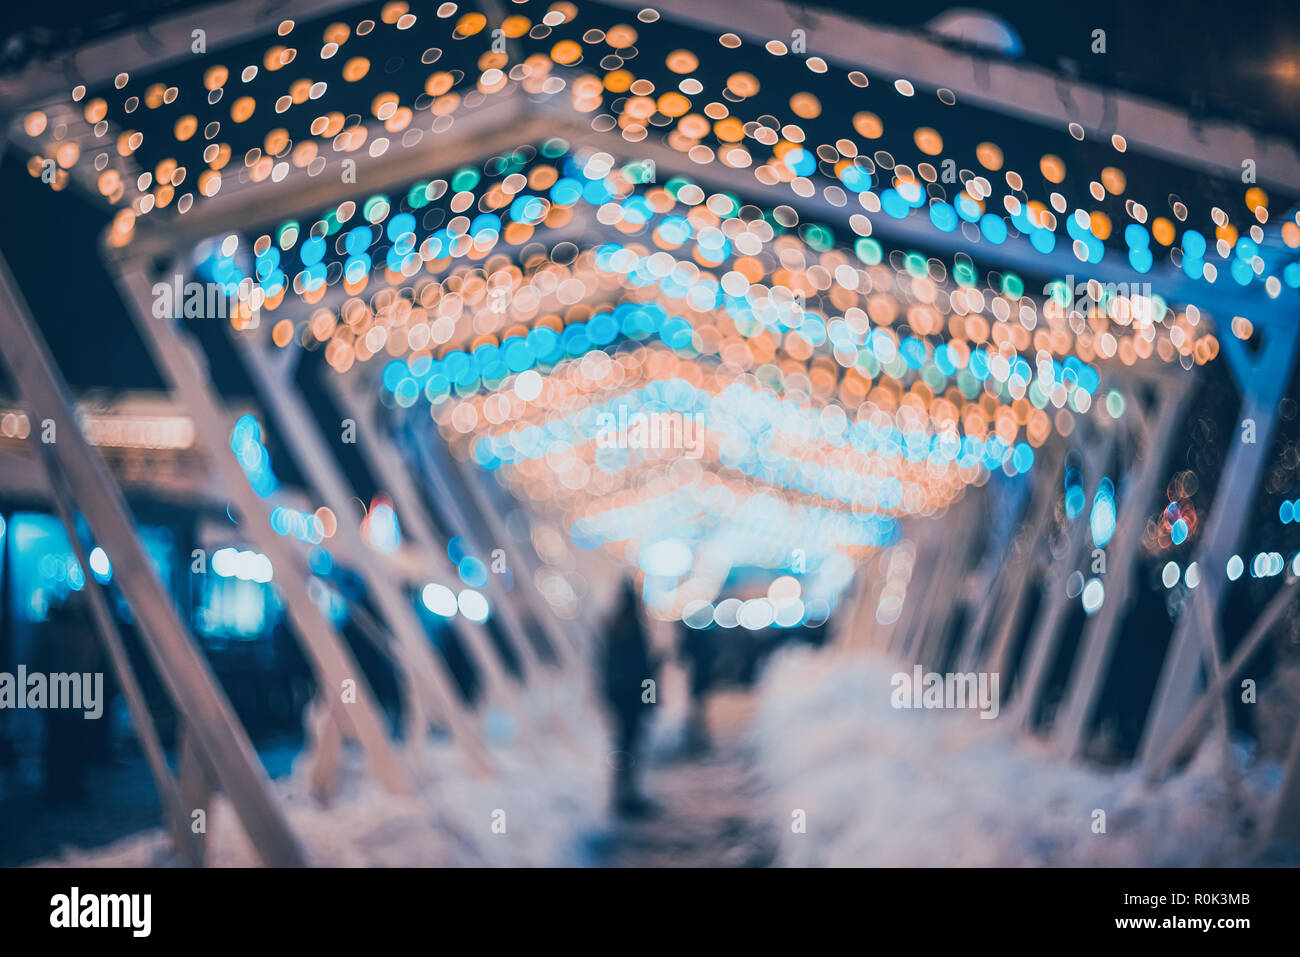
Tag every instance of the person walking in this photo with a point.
(697, 647)
(626, 664)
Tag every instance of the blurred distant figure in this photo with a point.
(67, 643)
(626, 663)
(698, 649)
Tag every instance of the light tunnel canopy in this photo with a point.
(314, 92)
(792, 274)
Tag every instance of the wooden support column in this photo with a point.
(1024, 572)
(930, 642)
(321, 468)
(563, 642)
(1010, 575)
(324, 748)
(191, 387)
(1285, 823)
(176, 811)
(937, 589)
(883, 636)
(184, 673)
(1097, 643)
(1184, 739)
(1263, 384)
(383, 457)
(928, 550)
(197, 785)
(1053, 609)
(987, 591)
(849, 636)
(432, 470)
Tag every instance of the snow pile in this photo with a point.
(546, 789)
(881, 786)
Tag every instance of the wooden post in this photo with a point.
(190, 385)
(196, 788)
(882, 636)
(564, 645)
(1024, 570)
(930, 643)
(1052, 612)
(1097, 644)
(928, 550)
(1185, 737)
(300, 431)
(848, 638)
(433, 472)
(383, 457)
(1263, 383)
(324, 748)
(1285, 825)
(169, 795)
(988, 588)
(1011, 573)
(184, 673)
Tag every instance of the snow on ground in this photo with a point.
(877, 786)
(550, 792)
(887, 787)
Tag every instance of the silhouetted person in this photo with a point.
(698, 649)
(626, 663)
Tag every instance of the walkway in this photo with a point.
(708, 812)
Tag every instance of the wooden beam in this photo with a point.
(184, 672)
(1285, 823)
(432, 467)
(501, 123)
(1097, 644)
(1053, 611)
(1007, 86)
(302, 434)
(387, 463)
(916, 229)
(564, 644)
(196, 787)
(188, 380)
(962, 522)
(1011, 567)
(1180, 677)
(927, 539)
(175, 810)
(1185, 737)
